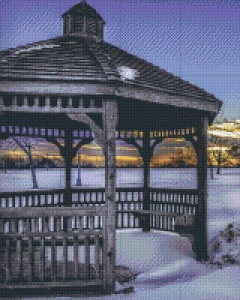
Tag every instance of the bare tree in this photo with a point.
(27, 147)
(6, 159)
(221, 152)
(224, 137)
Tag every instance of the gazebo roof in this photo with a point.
(83, 58)
(81, 63)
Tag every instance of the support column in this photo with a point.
(109, 124)
(201, 228)
(146, 155)
(68, 163)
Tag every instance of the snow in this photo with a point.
(164, 261)
(225, 247)
(38, 47)
(167, 270)
(223, 133)
(127, 73)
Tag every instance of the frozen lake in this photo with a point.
(223, 199)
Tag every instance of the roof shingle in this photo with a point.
(83, 58)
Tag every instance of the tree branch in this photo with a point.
(23, 147)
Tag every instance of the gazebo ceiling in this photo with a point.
(82, 63)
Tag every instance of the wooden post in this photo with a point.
(146, 155)
(68, 163)
(109, 124)
(201, 234)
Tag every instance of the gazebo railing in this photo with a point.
(32, 198)
(171, 202)
(50, 247)
(168, 201)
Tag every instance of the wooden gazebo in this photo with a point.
(64, 88)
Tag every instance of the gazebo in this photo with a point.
(79, 87)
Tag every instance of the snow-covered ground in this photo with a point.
(164, 261)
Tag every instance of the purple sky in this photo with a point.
(198, 40)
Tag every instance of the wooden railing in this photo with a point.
(171, 201)
(33, 198)
(53, 247)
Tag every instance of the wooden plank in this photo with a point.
(30, 259)
(109, 124)
(53, 259)
(19, 253)
(42, 260)
(146, 154)
(75, 257)
(61, 234)
(49, 109)
(97, 257)
(87, 258)
(149, 212)
(201, 238)
(33, 212)
(48, 285)
(185, 220)
(7, 259)
(65, 258)
(63, 88)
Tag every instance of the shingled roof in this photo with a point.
(84, 57)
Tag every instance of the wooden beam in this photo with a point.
(109, 123)
(54, 87)
(146, 155)
(40, 212)
(201, 236)
(68, 140)
(84, 118)
(71, 88)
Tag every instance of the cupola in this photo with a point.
(83, 19)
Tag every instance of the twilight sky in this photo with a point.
(198, 40)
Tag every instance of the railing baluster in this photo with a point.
(76, 263)
(42, 260)
(7, 259)
(19, 253)
(53, 259)
(30, 259)
(97, 257)
(65, 257)
(87, 257)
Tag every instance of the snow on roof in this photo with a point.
(127, 73)
(38, 47)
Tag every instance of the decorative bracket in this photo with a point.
(84, 118)
(142, 153)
